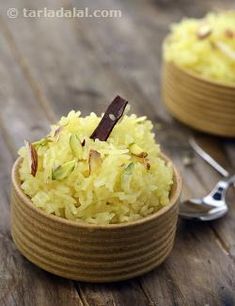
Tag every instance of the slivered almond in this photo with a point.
(137, 151)
(57, 133)
(144, 160)
(33, 158)
(94, 160)
(204, 31)
(225, 49)
(141, 155)
(229, 33)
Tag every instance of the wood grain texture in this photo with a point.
(50, 66)
(88, 252)
(206, 106)
(21, 118)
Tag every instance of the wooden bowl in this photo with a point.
(87, 252)
(202, 104)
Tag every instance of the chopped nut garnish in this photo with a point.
(75, 146)
(225, 49)
(129, 168)
(42, 142)
(142, 158)
(204, 31)
(94, 160)
(143, 155)
(229, 33)
(63, 171)
(33, 158)
(147, 165)
(145, 162)
(58, 133)
(137, 151)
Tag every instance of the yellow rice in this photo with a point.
(121, 189)
(213, 56)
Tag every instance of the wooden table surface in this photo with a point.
(52, 65)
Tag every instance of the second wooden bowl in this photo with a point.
(88, 252)
(204, 105)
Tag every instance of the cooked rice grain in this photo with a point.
(117, 188)
(204, 46)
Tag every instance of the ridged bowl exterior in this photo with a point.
(89, 252)
(204, 105)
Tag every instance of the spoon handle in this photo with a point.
(207, 157)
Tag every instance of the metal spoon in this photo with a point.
(211, 161)
(204, 155)
(212, 206)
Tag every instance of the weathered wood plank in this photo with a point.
(118, 294)
(95, 33)
(21, 283)
(183, 280)
(17, 115)
(114, 59)
(224, 228)
(217, 147)
(30, 108)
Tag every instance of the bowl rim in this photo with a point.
(198, 77)
(177, 184)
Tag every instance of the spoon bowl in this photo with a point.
(213, 206)
(210, 207)
(197, 210)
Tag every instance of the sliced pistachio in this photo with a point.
(63, 171)
(129, 168)
(42, 142)
(33, 158)
(137, 151)
(126, 177)
(145, 161)
(204, 31)
(94, 160)
(75, 146)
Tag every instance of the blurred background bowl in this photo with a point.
(197, 102)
